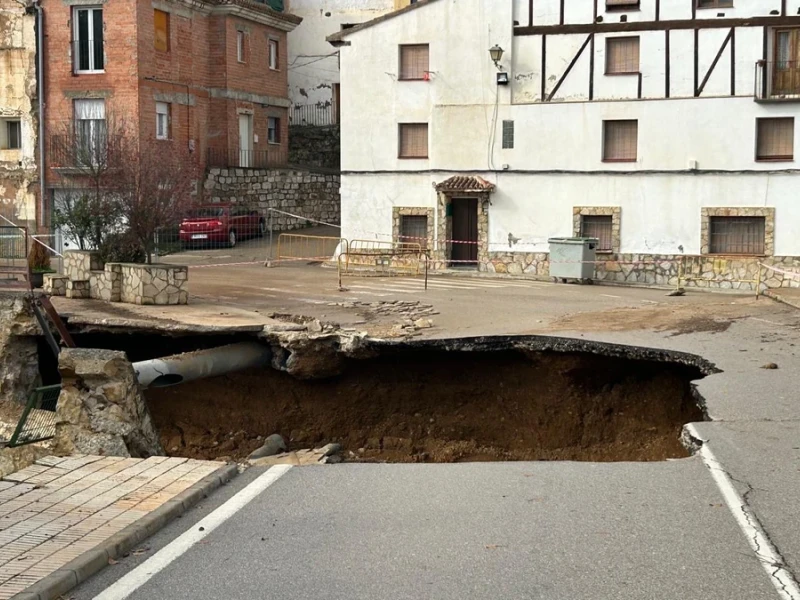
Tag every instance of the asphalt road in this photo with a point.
(503, 530)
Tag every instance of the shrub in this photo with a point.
(39, 258)
(122, 247)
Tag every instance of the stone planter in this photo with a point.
(154, 284)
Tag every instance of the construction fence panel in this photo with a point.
(38, 420)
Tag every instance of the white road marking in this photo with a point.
(767, 555)
(136, 578)
(610, 296)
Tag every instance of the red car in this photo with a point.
(221, 224)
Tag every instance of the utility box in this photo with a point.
(572, 258)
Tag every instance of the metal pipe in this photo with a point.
(181, 368)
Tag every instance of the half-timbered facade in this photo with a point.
(665, 128)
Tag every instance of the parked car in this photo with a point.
(221, 224)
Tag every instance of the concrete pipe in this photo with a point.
(180, 368)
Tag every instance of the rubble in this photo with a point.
(101, 410)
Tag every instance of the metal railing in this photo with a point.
(316, 248)
(79, 152)
(38, 420)
(777, 80)
(247, 159)
(318, 115)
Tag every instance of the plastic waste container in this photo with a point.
(572, 258)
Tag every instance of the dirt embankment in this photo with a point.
(441, 407)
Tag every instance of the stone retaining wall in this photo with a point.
(314, 195)
(311, 145)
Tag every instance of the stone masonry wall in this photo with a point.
(312, 194)
(705, 271)
(314, 146)
(85, 276)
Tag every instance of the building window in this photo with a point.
(413, 140)
(622, 55)
(273, 130)
(736, 235)
(714, 3)
(775, 139)
(620, 140)
(414, 230)
(90, 131)
(273, 55)
(87, 48)
(241, 46)
(600, 227)
(413, 62)
(508, 135)
(162, 120)
(612, 5)
(161, 35)
(10, 134)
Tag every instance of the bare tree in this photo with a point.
(88, 159)
(156, 192)
(116, 187)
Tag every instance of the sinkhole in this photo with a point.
(455, 400)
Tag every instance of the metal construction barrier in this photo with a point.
(384, 258)
(38, 420)
(384, 262)
(295, 246)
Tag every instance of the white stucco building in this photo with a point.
(664, 127)
(313, 63)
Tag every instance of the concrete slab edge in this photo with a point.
(778, 297)
(87, 564)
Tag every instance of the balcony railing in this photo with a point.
(75, 151)
(87, 56)
(777, 81)
(247, 159)
(318, 115)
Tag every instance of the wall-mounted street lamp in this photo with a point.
(496, 52)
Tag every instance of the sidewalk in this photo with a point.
(63, 519)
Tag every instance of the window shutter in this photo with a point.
(775, 138)
(414, 61)
(622, 55)
(161, 21)
(414, 140)
(600, 227)
(414, 230)
(620, 141)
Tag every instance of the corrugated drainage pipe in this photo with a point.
(181, 368)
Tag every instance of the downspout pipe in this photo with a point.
(40, 94)
(190, 366)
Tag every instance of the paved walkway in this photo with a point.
(59, 508)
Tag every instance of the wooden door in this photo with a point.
(786, 66)
(465, 230)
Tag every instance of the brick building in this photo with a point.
(207, 76)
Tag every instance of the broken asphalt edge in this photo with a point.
(90, 562)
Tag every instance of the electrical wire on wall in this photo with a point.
(493, 130)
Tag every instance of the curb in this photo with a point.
(90, 562)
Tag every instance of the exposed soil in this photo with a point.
(429, 406)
